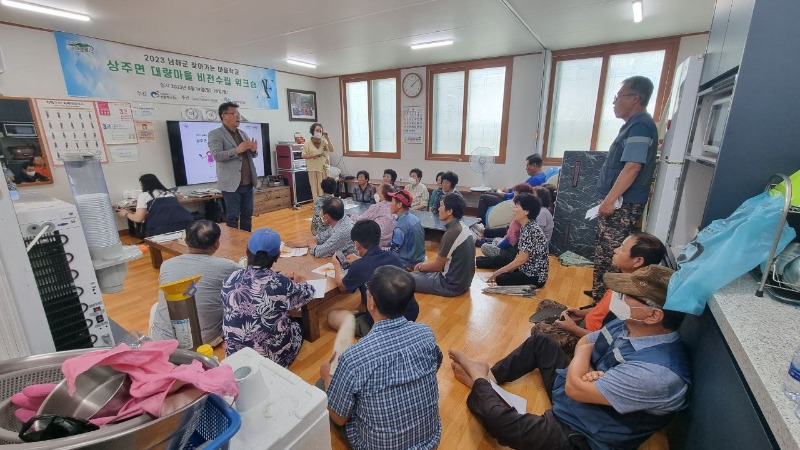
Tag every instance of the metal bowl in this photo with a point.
(143, 432)
(100, 391)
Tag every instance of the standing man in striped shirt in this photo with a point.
(626, 174)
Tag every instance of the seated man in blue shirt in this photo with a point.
(536, 177)
(624, 383)
(369, 256)
(408, 238)
(384, 391)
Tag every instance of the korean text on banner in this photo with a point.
(103, 69)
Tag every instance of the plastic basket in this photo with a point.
(218, 423)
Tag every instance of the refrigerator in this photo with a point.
(679, 119)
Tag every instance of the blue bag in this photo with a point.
(725, 250)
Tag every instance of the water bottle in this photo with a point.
(791, 387)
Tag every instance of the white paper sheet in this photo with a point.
(319, 286)
(326, 270)
(593, 212)
(513, 400)
(160, 238)
(289, 252)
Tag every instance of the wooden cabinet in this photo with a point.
(271, 199)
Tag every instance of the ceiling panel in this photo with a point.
(352, 36)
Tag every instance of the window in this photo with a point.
(468, 104)
(582, 88)
(371, 103)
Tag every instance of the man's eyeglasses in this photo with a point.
(623, 95)
(236, 114)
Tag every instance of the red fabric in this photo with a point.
(594, 319)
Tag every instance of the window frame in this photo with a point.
(670, 47)
(369, 77)
(466, 66)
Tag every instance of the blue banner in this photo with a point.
(107, 70)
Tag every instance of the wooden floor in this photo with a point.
(484, 326)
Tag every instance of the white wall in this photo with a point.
(33, 70)
(522, 124)
(692, 45)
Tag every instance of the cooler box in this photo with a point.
(283, 412)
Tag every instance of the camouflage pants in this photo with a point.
(611, 231)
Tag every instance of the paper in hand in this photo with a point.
(593, 212)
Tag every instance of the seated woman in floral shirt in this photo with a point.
(257, 301)
(328, 186)
(531, 265)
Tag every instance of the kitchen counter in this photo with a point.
(762, 334)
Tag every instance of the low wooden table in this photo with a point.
(233, 245)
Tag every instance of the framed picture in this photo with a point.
(302, 105)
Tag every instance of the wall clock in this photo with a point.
(412, 85)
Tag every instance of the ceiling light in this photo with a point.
(637, 11)
(432, 44)
(301, 63)
(45, 10)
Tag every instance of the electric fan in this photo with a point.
(481, 160)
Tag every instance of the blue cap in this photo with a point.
(265, 240)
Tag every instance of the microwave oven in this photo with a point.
(19, 129)
(715, 127)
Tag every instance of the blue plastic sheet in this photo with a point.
(725, 250)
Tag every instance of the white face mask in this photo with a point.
(621, 309)
(318, 135)
(30, 174)
(413, 181)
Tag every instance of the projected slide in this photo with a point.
(197, 159)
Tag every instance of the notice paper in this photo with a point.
(592, 213)
(513, 400)
(326, 270)
(289, 252)
(319, 286)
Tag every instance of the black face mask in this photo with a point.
(51, 426)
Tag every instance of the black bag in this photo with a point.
(165, 215)
(213, 211)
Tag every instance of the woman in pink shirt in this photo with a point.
(380, 212)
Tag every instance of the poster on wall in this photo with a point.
(413, 124)
(98, 68)
(145, 130)
(116, 123)
(70, 126)
(124, 153)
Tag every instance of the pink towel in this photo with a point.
(152, 376)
